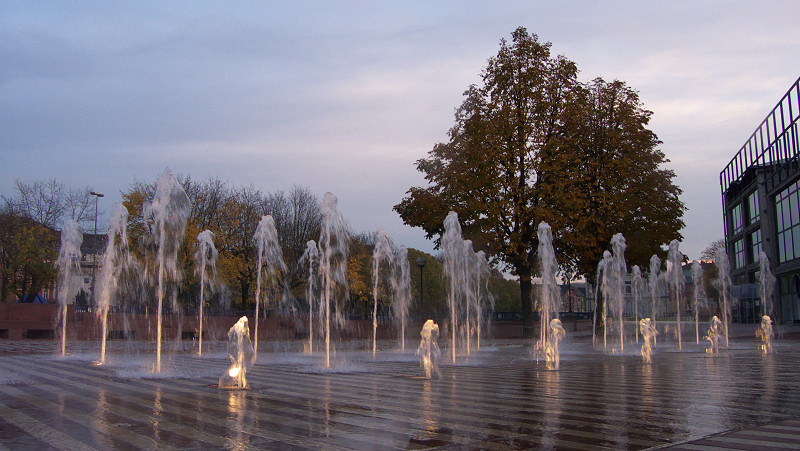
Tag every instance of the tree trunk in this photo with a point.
(525, 287)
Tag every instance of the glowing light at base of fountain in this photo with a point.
(648, 330)
(715, 333)
(240, 351)
(766, 334)
(428, 350)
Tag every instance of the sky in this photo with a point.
(345, 96)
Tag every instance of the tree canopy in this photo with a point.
(533, 144)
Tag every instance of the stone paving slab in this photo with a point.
(499, 398)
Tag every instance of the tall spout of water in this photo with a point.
(724, 285)
(401, 287)
(270, 265)
(699, 292)
(241, 353)
(550, 299)
(654, 282)
(334, 242)
(169, 210)
(205, 258)
(68, 265)
(428, 350)
(311, 258)
(767, 283)
(637, 287)
(116, 260)
(453, 248)
(382, 253)
(676, 281)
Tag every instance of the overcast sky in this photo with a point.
(345, 99)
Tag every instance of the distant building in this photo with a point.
(761, 208)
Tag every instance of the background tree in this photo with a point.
(488, 172)
(27, 252)
(49, 202)
(532, 144)
(614, 179)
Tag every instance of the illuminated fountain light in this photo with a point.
(648, 330)
(716, 331)
(766, 334)
(428, 350)
(555, 332)
(240, 351)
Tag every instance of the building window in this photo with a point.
(736, 219)
(752, 208)
(787, 212)
(755, 245)
(738, 253)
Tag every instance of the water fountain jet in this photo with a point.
(428, 349)
(116, 260)
(241, 353)
(68, 266)
(333, 245)
(270, 264)
(170, 211)
(205, 257)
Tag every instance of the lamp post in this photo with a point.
(421, 263)
(97, 197)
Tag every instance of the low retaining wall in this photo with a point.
(40, 321)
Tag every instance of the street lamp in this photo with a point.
(421, 263)
(97, 197)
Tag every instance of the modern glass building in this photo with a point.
(761, 207)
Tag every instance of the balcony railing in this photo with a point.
(774, 144)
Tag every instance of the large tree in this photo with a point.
(525, 149)
(614, 179)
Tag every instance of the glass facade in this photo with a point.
(738, 254)
(787, 209)
(753, 214)
(736, 219)
(755, 245)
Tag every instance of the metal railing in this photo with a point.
(774, 141)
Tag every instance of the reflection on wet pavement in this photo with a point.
(500, 399)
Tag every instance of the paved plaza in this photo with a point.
(499, 398)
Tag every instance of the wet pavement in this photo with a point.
(499, 398)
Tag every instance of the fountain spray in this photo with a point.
(653, 280)
(597, 279)
(311, 257)
(205, 257)
(401, 286)
(724, 283)
(334, 242)
(697, 280)
(452, 248)
(550, 299)
(617, 283)
(637, 286)
(170, 211)
(428, 349)
(676, 281)
(241, 353)
(270, 264)
(765, 332)
(649, 333)
(68, 265)
(116, 259)
(383, 252)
